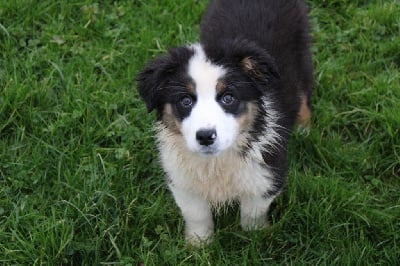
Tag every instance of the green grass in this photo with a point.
(79, 178)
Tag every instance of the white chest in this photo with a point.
(218, 179)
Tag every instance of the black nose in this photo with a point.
(206, 137)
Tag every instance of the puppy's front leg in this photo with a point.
(253, 212)
(199, 225)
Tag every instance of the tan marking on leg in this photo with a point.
(304, 115)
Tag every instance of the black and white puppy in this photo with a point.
(226, 108)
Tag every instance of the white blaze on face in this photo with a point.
(207, 114)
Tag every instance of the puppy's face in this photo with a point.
(209, 102)
(210, 110)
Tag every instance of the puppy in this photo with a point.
(226, 108)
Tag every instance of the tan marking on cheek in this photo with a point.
(304, 115)
(246, 120)
(170, 120)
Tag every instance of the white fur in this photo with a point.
(200, 181)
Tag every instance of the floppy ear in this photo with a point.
(150, 80)
(157, 73)
(261, 67)
(255, 61)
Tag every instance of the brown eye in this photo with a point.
(227, 99)
(186, 101)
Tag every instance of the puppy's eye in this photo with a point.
(186, 101)
(227, 99)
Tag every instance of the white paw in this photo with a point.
(254, 223)
(199, 238)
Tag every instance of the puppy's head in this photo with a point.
(209, 95)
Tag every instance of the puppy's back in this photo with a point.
(276, 25)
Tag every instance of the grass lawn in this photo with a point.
(80, 182)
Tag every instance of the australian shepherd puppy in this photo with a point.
(226, 107)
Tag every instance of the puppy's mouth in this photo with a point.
(208, 151)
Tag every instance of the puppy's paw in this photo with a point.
(254, 223)
(198, 241)
(199, 234)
